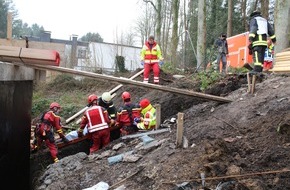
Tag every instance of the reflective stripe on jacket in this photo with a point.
(127, 113)
(149, 118)
(259, 30)
(152, 55)
(96, 118)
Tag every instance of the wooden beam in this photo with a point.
(111, 92)
(132, 82)
(158, 115)
(60, 144)
(179, 134)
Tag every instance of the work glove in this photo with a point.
(142, 63)
(65, 140)
(137, 120)
(161, 63)
(80, 133)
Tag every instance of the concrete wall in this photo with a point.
(16, 85)
(15, 118)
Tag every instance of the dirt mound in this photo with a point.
(226, 142)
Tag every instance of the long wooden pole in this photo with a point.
(111, 92)
(132, 82)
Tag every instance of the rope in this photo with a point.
(229, 176)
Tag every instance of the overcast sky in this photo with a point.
(66, 17)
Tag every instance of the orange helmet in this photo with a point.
(126, 95)
(54, 104)
(91, 98)
(144, 103)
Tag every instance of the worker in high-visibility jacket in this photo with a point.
(97, 121)
(151, 58)
(148, 116)
(260, 28)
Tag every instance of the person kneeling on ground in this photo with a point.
(126, 115)
(147, 121)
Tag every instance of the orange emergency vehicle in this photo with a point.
(238, 50)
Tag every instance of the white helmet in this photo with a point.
(106, 97)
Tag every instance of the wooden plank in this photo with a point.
(111, 92)
(281, 67)
(158, 115)
(282, 63)
(132, 82)
(282, 54)
(179, 134)
(76, 114)
(131, 78)
(29, 55)
(9, 54)
(62, 144)
(278, 59)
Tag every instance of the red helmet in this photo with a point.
(126, 95)
(54, 104)
(92, 97)
(144, 103)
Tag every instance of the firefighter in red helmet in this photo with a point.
(148, 116)
(97, 121)
(44, 131)
(126, 115)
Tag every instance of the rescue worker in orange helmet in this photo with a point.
(151, 58)
(44, 130)
(148, 116)
(97, 121)
(126, 115)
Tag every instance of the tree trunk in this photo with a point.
(265, 8)
(174, 39)
(282, 24)
(159, 20)
(244, 14)
(230, 16)
(201, 34)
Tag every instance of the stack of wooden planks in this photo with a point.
(282, 62)
(29, 55)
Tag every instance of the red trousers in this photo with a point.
(147, 69)
(52, 148)
(267, 65)
(50, 143)
(99, 138)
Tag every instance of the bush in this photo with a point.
(207, 78)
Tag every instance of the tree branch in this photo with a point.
(147, 1)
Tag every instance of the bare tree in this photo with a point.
(158, 11)
(282, 24)
(265, 8)
(174, 38)
(244, 14)
(230, 16)
(201, 33)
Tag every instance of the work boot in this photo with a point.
(55, 160)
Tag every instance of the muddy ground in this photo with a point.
(233, 144)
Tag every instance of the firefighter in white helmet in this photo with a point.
(106, 102)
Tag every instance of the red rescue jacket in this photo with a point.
(96, 118)
(127, 113)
